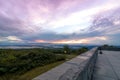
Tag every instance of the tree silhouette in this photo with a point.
(66, 49)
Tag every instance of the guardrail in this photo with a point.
(79, 68)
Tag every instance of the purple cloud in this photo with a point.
(54, 20)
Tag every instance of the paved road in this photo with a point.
(107, 66)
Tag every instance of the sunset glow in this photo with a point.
(39, 41)
(83, 41)
(71, 41)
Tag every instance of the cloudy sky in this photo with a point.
(60, 21)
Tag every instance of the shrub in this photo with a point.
(24, 60)
(3, 70)
(60, 57)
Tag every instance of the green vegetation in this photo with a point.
(29, 75)
(19, 64)
(108, 46)
(66, 49)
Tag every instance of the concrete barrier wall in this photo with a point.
(79, 68)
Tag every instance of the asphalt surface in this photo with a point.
(107, 66)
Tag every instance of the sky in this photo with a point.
(60, 21)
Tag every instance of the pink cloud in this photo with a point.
(40, 41)
(83, 40)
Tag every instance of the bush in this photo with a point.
(24, 60)
(3, 70)
(81, 50)
(14, 69)
(60, 57)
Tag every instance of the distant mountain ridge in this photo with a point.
(46, 45)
